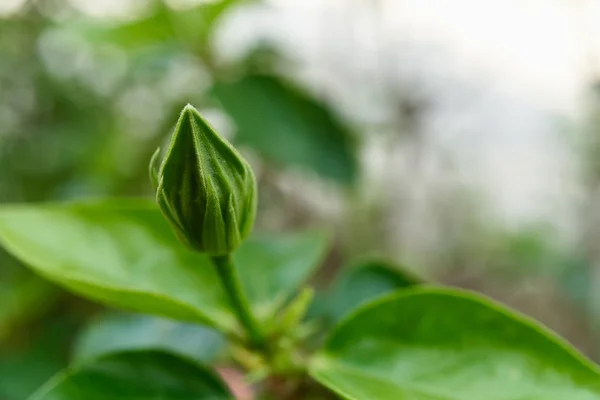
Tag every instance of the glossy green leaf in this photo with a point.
(125, 254)
(122, 254)
(135, 375)
(115, 332)
(441, 344)
(363, 282)
(288, 127)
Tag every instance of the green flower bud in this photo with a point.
(204, 187)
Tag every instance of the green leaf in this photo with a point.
(439, 344)
(273, 266)
(155, 29)
(24, 297)
(197, 24)
(288, 127)
(115, 332)
(161, 26)
(121, 254)
(28, 363)
(124, 254)
(135, 375)
(363, 282)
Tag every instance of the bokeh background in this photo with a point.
(458, 139)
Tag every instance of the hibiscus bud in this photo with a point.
(204, 187)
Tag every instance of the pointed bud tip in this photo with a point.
(189, 114)
(189, 109)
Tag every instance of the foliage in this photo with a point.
(85, 102)
(249, 308)
(308, 135)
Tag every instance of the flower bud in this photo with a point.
(204, 187)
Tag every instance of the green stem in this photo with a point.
(237, 298)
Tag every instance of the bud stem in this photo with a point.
(237, 298)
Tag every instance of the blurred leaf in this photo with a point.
(153, 30)
(288, 127)
(23, 298)
(124, 254)
(358, 284)
(144, 375)
(22, 374)
(445, 344)
(198, 23)
(163, 25)
(25, 366)
(533, 250)
(123, 332)
(273, 266)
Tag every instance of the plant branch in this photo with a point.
(237, 299)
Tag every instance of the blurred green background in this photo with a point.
(425, 134)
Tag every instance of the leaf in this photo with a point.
(198, 23)
(155, 29)
(364, 282)
(192, 26)
(24, 297)
(273, 266)
(288, 127)
(114, 332)
(121, 254)
(21, 374)
(25, 366)
(124, 254)
(440, 344)
(143, 375)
